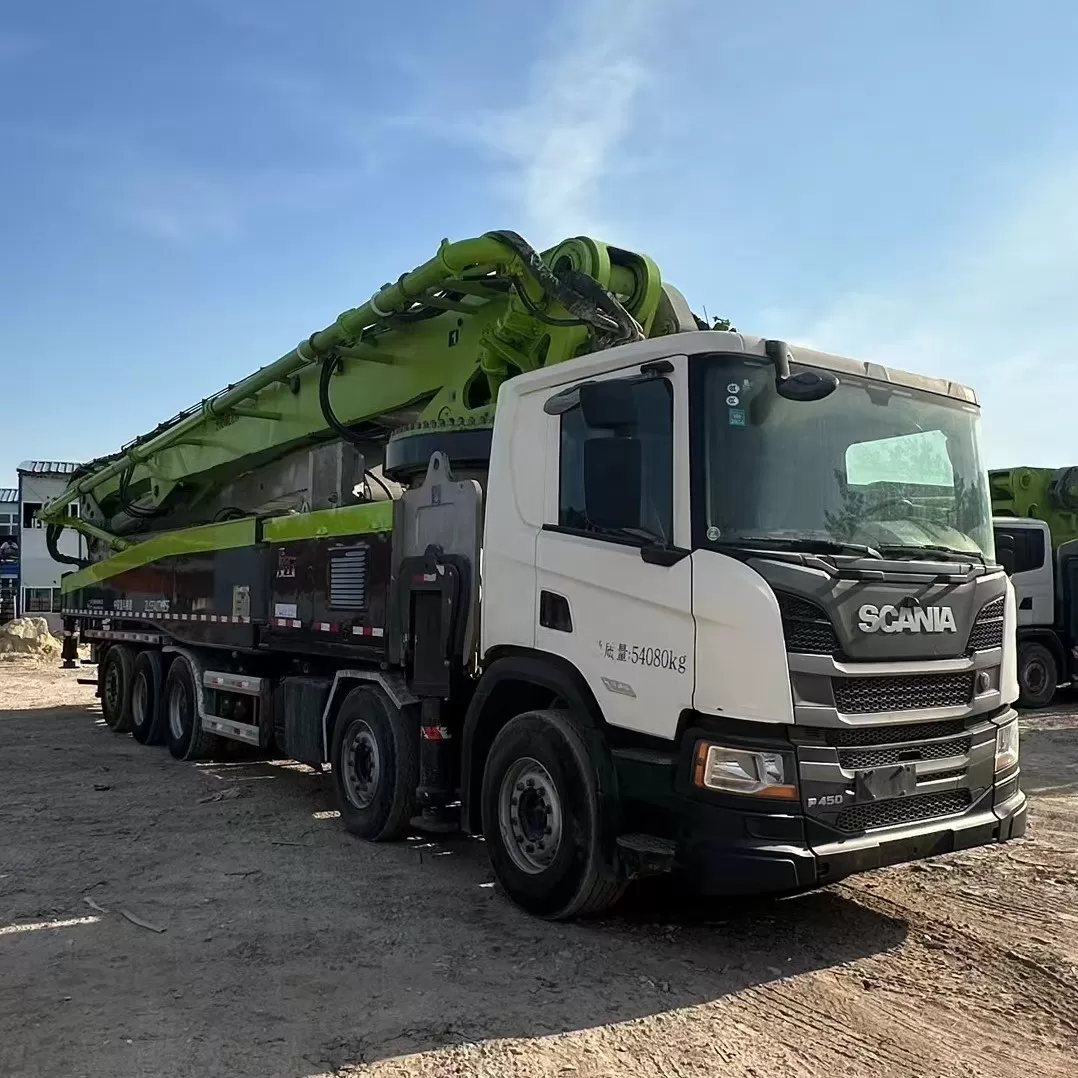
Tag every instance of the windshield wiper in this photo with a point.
(945, 553)
(812, 546)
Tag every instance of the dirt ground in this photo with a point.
(160, 919)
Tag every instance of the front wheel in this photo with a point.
(543, 819)
(1037, 675)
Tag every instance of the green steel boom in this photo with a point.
(429, 351)
(1048, 494)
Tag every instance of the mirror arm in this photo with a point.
(779, 354)
(665, 556)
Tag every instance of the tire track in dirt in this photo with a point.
(965, 1011)
(1028, 915)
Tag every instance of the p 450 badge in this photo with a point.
(828, 801)
(907, 619)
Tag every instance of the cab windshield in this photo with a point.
(872, 465)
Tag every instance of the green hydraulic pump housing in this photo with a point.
(1048, 494)
(415, 369)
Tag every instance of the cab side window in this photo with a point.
(654, 429)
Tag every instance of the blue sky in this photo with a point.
(189, 188)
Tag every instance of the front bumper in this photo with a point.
(731, 866)
(725, 845)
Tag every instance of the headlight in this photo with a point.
(1007, 746)
(740, 771)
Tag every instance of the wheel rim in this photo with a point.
(530, 815)
(362, 764)
(138, 701)
(1035, 677)
(177, 700)
(112, 689)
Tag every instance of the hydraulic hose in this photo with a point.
(52, 539)
(329, 365)
(138, 512)
(580, 294)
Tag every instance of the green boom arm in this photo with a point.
(430, 350)
(1048, 494)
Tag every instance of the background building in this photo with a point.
(9, 552)
(39, 576)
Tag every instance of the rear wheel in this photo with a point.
(149, 719)
(116, 678)
(375, 757)
(184, 734)
(1037, 675)
(543, 819)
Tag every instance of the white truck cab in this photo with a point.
(764, 597)
(1043, 598)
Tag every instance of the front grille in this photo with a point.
(938, 776)
(901, 754)
(806, 626)
(986, 635)
(865, 695)
(903, 810)
(888, 735)
(987, 631)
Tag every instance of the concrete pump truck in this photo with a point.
(1036, 526)
(522, 546)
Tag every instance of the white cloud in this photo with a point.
(998, 312)
(553, 150)
(561, 141)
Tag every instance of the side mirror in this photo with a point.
(612, 482)
(608, 405)
(806, 385)
(1005, 552)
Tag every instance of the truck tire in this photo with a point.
(149, 717)
(543, 819)
(1037, 675)
(116, 677)
(375, 756)
(184, 735)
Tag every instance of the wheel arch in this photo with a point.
(516, 680)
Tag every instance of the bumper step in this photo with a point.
(646, 855)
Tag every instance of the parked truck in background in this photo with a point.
(522, 546)
(1036, 533)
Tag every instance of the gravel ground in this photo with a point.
(165, 919)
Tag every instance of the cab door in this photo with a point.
(613, 575)
(1031, 568)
